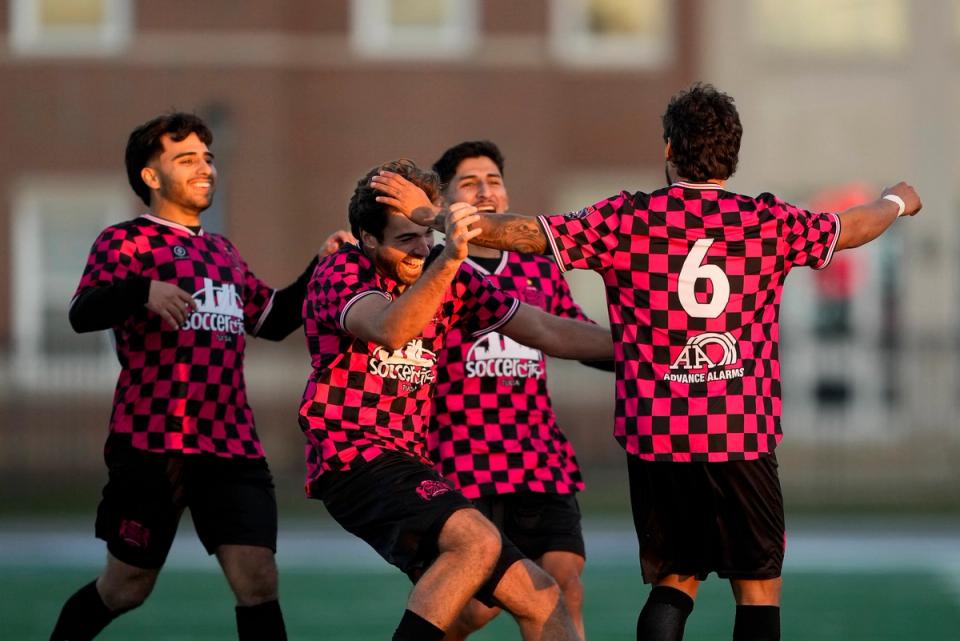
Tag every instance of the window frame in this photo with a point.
(31, 366)
(30, 37)
(373, 35)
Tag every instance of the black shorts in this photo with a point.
(399, 505)
(696, 518)
(536, 522)
(232, 502)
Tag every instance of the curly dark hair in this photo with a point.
(366, 214)
(144, 144)
(446, 166)
(703, 129)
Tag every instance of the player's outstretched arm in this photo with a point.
(861, 224)
(511, 232)
(394, 323)
(560, 337)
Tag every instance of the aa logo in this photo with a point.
(707, 351)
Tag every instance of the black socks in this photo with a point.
(83, 616)
(414, 627)
(262, 622)
(757, 623)
(664, 615)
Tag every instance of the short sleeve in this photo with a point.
(478, 305)
(113, 258)
(563, 304)
(586, 239)
(338, 282)
(810, 238)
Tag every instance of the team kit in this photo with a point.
(429, 428)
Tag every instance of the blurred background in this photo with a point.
(838, 98)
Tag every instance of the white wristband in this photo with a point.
(899, 201)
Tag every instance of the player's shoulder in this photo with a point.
(348, 259)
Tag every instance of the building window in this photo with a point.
(70, 27)
(55, 223)
(833, 28)
(414, 28)
(630, 33)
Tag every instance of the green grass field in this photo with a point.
(357, 606)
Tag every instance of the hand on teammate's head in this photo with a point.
(404, 197)
(335, 241)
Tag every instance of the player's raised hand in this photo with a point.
(335, 241)
(170, 302)
(909, 196)
(458, 231)
(405, 197)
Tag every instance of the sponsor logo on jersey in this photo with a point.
(179, 253)
(219, 309)
(574, 215)
(706, 357)
(412, 363)
(497, 355)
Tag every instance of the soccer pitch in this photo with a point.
(870, 582)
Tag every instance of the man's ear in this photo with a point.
(667, 150)
(368, 240)
(149, 176)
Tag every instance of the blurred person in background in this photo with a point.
(179, 302)
(375, 317)
(694, 275)
(493, 433)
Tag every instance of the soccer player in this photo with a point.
(375, 317)
(693, 274)
(179, 302)
(494, 434)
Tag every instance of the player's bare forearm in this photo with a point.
(861, 224)
(511, 232)
(560, 337)
(393, 324)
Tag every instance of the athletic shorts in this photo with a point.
(696, 518)
(231, 501)
(536, 522)
(399, 505)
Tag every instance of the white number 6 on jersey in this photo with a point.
(691, 272)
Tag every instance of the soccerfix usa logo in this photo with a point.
(219, 309)
(412, 363)
(706, 357)
(497, 355)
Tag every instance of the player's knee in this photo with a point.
(533, 593)
(126, 593)
(468, 534)
(256, 584)
(572, 589)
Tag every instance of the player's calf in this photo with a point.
(534, 599)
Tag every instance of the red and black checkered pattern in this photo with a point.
(182, 390)
(694, 382)
(362, 399)
(493, 429)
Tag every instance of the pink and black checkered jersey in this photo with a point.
(693, 278)
(362, 399)
(182, 390)
(493, 429)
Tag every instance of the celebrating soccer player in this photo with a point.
(693, 274)
(179, 302)
(375, 317)
(493, 433)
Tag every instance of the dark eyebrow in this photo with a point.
(209, 155)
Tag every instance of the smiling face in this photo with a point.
(182, 179)
(478, 181)
(401, 253)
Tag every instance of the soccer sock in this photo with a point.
(414, 627)
(83, 616)
(664, 615)
(757, 623)
(263, 622)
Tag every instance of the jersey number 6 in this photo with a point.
(691, 272)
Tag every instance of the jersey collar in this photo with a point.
(687, 185)
(170, 223)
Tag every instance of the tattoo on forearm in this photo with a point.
(512, 233)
